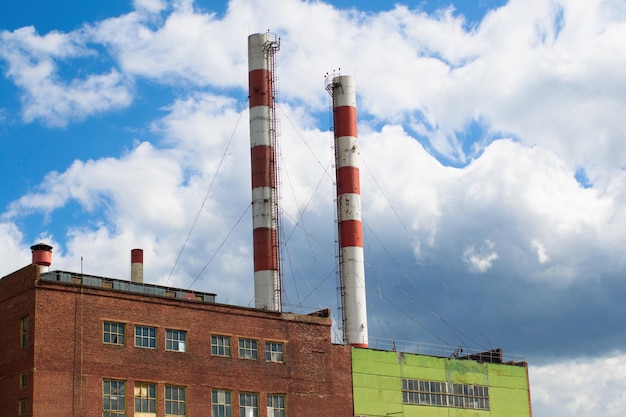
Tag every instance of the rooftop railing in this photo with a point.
(128, 286)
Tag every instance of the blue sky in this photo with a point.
(493, 163)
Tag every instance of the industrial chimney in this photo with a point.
(350, 228)
(261, 62)
(136, 265)
(42, 256)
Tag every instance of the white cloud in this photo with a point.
(480, 260)
(581, 387)
(542, 256)
(151, 6)
(33, 67)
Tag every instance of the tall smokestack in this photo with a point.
(42, 256)
(261, 61)
(136, 265)
(351, 266)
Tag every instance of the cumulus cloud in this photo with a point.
(582, 387)
(32, 65)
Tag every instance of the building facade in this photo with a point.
(410, 385)
(78, 345)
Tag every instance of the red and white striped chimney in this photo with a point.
(42, 256)
(136, 265)
(267, 288)
(351, 264)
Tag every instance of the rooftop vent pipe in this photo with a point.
(136, 265)
(42, 256)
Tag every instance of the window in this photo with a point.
(176, 340)
(24, 332)
(221, 404)
(248, 404)
(275, 405)
(445, 394)
(22, 407)
(220, 345)
(114, 333)
(274, 352)
(145, 397)
(113, 398)
(248, 349)
(23, 380)
(174, 400)
(145, 337)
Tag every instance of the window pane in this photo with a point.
(174, 400)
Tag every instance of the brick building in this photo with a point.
(79, 345)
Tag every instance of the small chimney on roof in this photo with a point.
(42, 256)
(136, 265)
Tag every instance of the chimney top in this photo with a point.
(42, 256)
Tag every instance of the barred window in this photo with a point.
(248, 349)
(113, 398)
(114, 333)
(439, 393)
(275, 405)
(176, 340)
(221, 403)
(145, 337)
(174, 400)
(274, 352)
(220, 345)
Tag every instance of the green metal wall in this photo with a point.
(377, 384)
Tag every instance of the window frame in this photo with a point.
(23, 380)
(114, 409)
(178, 342)
(272, 354)
(248, 348)
(244, 400)
(22, 407)
(445, 394)
(278, 410)
(220, 345)
(24, 324)
(177, 402)
(115, 336)
(148, 341)
(149, 400)
(221, 408)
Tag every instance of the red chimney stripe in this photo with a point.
(260, 88)
(348, 181)
(136, 256)
(345, 121)
(350, 233)
(265, 250)
(263, 170)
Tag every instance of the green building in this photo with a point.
(389, 383)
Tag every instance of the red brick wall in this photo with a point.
(17, 292)
(316, 375)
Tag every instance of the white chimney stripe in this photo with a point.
(347, 151)
(349, 207)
